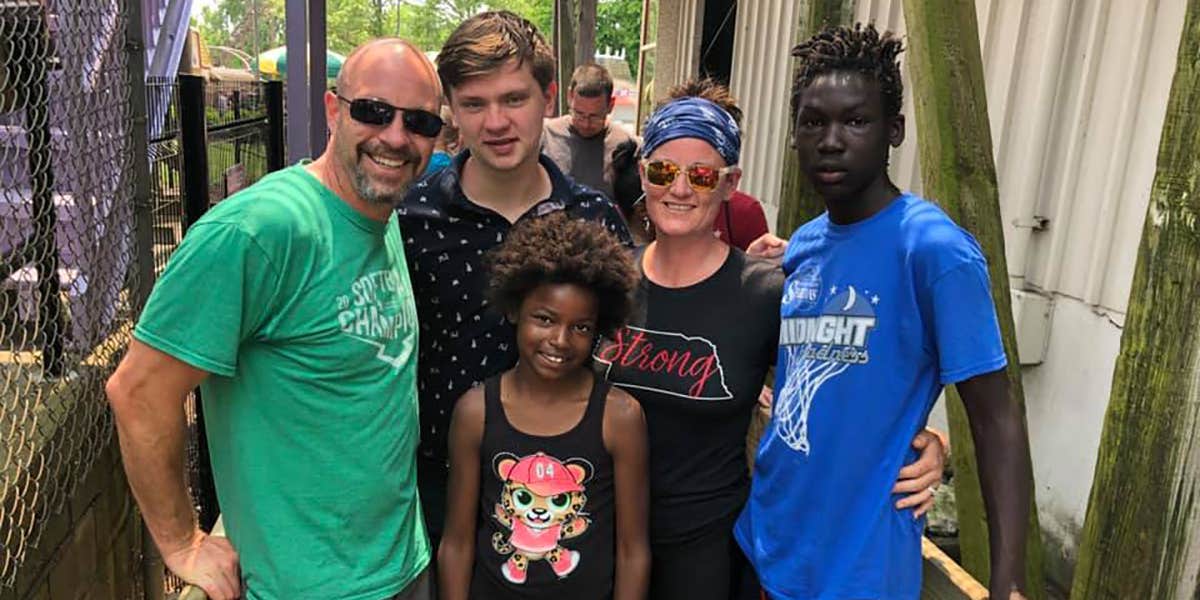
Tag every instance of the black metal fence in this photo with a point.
(208, 140)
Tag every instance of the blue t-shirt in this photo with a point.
(876, 317)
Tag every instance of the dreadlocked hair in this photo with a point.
(556, 249)
(858, 49)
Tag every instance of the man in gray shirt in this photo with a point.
(581, 142)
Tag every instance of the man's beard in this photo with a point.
(369, 190)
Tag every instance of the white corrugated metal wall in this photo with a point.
(680, 23)
(1077, 90)
(762, 42)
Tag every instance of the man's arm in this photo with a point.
(1000, 449)
(147, 394)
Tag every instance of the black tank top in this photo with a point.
(546, 526)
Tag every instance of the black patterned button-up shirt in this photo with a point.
(464, 340)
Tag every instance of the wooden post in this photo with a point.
(958, 172)
(1139, 538)
(585, 43)
(798, 203)
(564, 37)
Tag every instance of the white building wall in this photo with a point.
(763, 41)
(1077, 91)
(680, 23)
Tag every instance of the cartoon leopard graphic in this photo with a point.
(541, 504)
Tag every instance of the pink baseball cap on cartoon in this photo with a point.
(544, 475)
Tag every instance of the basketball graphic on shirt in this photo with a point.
(541, 504)
(816, 349)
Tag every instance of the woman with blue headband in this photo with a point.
(696, 353)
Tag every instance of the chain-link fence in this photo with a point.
(69, 273)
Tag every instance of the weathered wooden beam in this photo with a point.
(564, 47)
(1139, 538)
(585, 41)
(944, 579)
(958, 172)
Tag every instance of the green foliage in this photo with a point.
(618, 26)
(426, 23)
(233, 23)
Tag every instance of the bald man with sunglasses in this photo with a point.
(289, 304)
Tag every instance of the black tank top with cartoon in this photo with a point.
(545, 525)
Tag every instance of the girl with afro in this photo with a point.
(548, 492)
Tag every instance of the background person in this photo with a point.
(447, 143)
(582, 141)
(628, 194)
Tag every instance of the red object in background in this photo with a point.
(744, 215)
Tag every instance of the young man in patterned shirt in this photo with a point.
(497, 73)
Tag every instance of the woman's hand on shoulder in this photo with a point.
(768, 246)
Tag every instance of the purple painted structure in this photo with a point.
(91, 167)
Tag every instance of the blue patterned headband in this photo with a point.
(694, 118)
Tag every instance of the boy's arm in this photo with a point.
(456, 552)
(625, 439)
(1000, 450)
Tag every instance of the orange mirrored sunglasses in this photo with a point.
(703, 178)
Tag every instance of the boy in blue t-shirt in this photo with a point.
(886, 301)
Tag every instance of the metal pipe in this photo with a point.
(273, 91)
(45, 215)
(317, 74)
(297, 80)
(142, 272)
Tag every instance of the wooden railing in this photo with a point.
(191, 592)
(943, 578)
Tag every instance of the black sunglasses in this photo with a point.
(377, 112)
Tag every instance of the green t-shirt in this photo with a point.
(302, 310)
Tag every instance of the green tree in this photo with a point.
(618, 26)
(426, 23)
(349, 23)
(234, 23)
